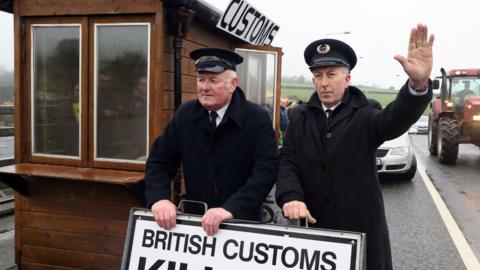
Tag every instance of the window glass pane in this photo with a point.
(121, 88)
(55, 90)
(257, 78)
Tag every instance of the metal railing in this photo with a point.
(6, 134)
(7, 203)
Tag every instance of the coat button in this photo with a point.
(324, 168)
(328, 135)
(327, 200)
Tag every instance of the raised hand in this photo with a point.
(419, 62)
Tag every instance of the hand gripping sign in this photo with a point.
(238, 245)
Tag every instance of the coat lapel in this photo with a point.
(352, 100)
(315, 121)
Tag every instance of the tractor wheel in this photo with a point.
(447, 140)
(432, 135)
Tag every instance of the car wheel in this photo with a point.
(413, 169)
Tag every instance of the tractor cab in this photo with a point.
(455, 113)
(462, 89)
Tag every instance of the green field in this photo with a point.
(303, 92)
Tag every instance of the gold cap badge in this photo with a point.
(323, 48)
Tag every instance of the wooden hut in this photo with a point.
(95, 83)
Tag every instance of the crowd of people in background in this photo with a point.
(286, 104)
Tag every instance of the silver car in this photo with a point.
(396, 157)
(420, 127)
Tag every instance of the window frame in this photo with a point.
(126, 20)
(29, 83)
(86, 90)
(32, 81)
(95, 158)
(277, 52)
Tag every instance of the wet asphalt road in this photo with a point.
(419, 238)
(459, 186)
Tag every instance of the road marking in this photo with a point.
(468, 257)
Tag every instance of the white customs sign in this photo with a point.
(237, 246)
(242, 20)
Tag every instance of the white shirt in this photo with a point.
(221, 113)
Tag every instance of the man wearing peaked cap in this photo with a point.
(327, 171)
(224, 144)
(215, 60)
(329, 52)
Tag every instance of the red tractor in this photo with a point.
(455, 113)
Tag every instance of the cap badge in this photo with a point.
(323, 48)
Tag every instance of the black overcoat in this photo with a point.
(233, 167)
(333, 168)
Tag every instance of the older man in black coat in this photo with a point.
(327, 170)
(224, 143)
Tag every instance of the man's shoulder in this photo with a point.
(297, 110)
(186, 107)
(253, 108)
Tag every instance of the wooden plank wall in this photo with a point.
(82, 225)
(72, 225)
(83, 7)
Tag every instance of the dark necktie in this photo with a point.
(213, 120)
(328, 114)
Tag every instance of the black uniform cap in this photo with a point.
(329, 52)
(215, 60)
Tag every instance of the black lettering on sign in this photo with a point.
(169, 240)
(262, 255)
(314, 261)
(143, 261)
(267, 27)
(207, 245)
(160, 238)
(330, 262)
(171, 266)
(271, 35)
(245, 20)
(248, 250)
(178, 237)
(223, 23)
(185, 243)
(256, 15)
(232, 26)
(241, 19)
(274, 256)
(294, 252)
(194, 247)
(233, 255)
(256, 30)
(148, 238)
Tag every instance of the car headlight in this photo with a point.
(399, 151)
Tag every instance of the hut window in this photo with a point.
(55, 90)
(121, 75)
(258, 77)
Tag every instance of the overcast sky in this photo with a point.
(379, 30)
